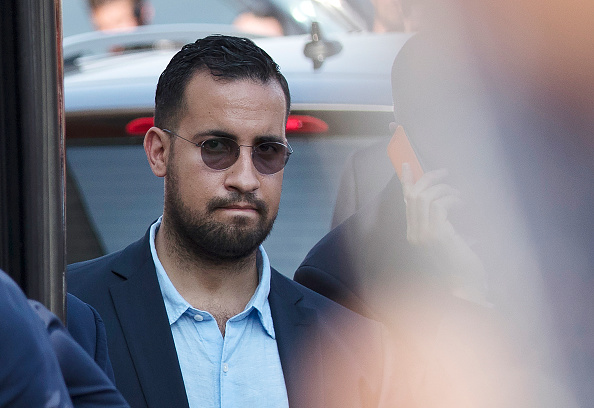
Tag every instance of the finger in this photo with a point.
(422, 203)
(408, 179)
(438, 222)
(412, 227)
(435, 192)
(448, 202)
(419, 199)
(439, 210)
(392, 126)
(407, 182)
(428, 208)
(429, 179)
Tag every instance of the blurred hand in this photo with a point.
(428, 202)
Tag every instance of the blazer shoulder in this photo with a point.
(328, 310)
(88, 277)
(92, 264)
(331, 286)
(121, 262)
(82, 323)
(87, 328)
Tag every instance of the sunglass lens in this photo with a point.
(270, 157)
(219, 153)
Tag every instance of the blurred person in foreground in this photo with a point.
(537, 61)
(42, 365)
(514, 128)
(452, 273)
(29, 371)
(119, 14)
(195, 315)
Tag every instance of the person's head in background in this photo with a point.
(397, 15)
(118, 14)
(441, 103)
(266, 25)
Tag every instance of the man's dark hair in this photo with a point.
(226, 57)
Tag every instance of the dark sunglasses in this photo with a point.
(220, 153)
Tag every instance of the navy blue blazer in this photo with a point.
(88, 385)
(86, 327)
(324, 363)
(367, 251)
(29, 371)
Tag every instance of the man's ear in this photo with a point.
(157, 147)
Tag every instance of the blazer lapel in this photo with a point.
(297, 336)
(145, 326)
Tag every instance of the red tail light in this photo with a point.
(305, 124)
(295, 124)
(139, 126)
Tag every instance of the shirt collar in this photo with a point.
(176, 305)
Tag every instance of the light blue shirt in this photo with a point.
(243, 369)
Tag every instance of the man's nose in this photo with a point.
(242, 175)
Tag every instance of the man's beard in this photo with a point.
(196, 234)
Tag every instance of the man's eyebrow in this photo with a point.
(216, 133)
(222, 133)
(270, 138)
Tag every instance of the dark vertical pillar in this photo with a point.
(32, 162)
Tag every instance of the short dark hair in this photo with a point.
(226, 57)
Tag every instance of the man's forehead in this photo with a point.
(233, 89)
(204, 76)
(254, 107)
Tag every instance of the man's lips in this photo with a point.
(239, 204)
(240, 207)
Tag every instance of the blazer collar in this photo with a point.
(141, 312)
(298, 342)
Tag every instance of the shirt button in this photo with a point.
(225, 367)
(198, 317)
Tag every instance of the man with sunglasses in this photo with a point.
(195, 316)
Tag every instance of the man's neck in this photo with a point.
(222, 288)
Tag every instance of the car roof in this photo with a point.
(357, 75)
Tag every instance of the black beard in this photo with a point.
(197, 236)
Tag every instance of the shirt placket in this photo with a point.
(226, 369)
